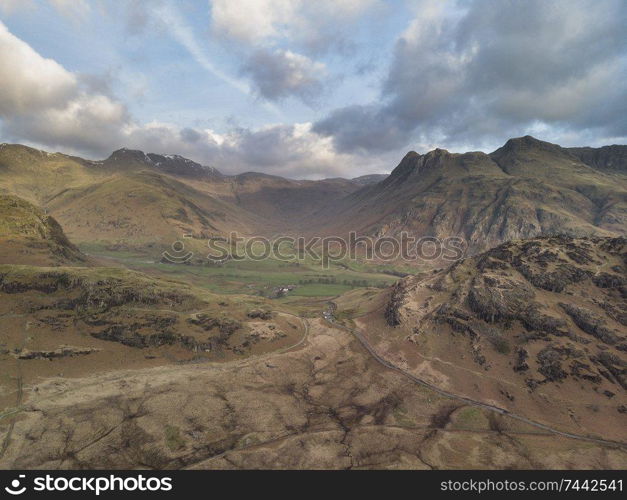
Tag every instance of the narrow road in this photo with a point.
(328, 316)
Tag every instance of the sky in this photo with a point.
(302, 89)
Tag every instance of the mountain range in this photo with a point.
(512, 357)
(524, 189)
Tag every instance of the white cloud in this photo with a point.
(257, 22)
(289, 150)
(47, 106)
(252, 20)
(43, 102)
(264, 28)
(29, 81)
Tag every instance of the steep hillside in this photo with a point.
(143, 209)
(285, 201)
(365, 180)
(28, 235)
(608, 158)
(154, 199)
(36, 175)
(537, 326)
(524, 189)
(80, 320)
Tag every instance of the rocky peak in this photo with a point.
(171, 164)
(179, 165)
(527, 144)
(125, 154)
(403, 170)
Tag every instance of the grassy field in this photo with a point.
(263, 278)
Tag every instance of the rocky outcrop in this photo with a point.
(392, 310)
(61, 352)
(554, 307)
(29, 235)
(591, 323)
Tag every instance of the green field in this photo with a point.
(263, 278)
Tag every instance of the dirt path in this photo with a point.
(328, 316)
(257, 357)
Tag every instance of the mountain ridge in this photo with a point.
(526, 188)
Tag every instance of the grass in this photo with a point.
(173, 439)
(470, 418)
(254, 277)
(402, 418)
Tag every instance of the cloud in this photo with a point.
(261, 29)
(257, 22)
(293, 151)
(482, 71)
(281, 73)
(364, 128)
(183, 34)
(45, 105)
(29, 82)
(42, 101)
(250, 21)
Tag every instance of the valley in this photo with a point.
(115, 354)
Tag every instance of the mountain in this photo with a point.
(28, 235)
(36, 175)
(170, 164)
(285, 202)
(608, 158)
(145, 208)
(525, 189)
(535, 326)
(365, 180)
(137, 199)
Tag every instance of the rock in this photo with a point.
(61, 352)
(521, 360)
(392, 309)
(590, 323)
(550, 361)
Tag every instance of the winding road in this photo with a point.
(328, 316)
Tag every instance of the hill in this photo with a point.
(607, 158)
(144, 209)
(28, 235)
(535, 326)
(82, 320)
(137, 199)
(525, 189)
